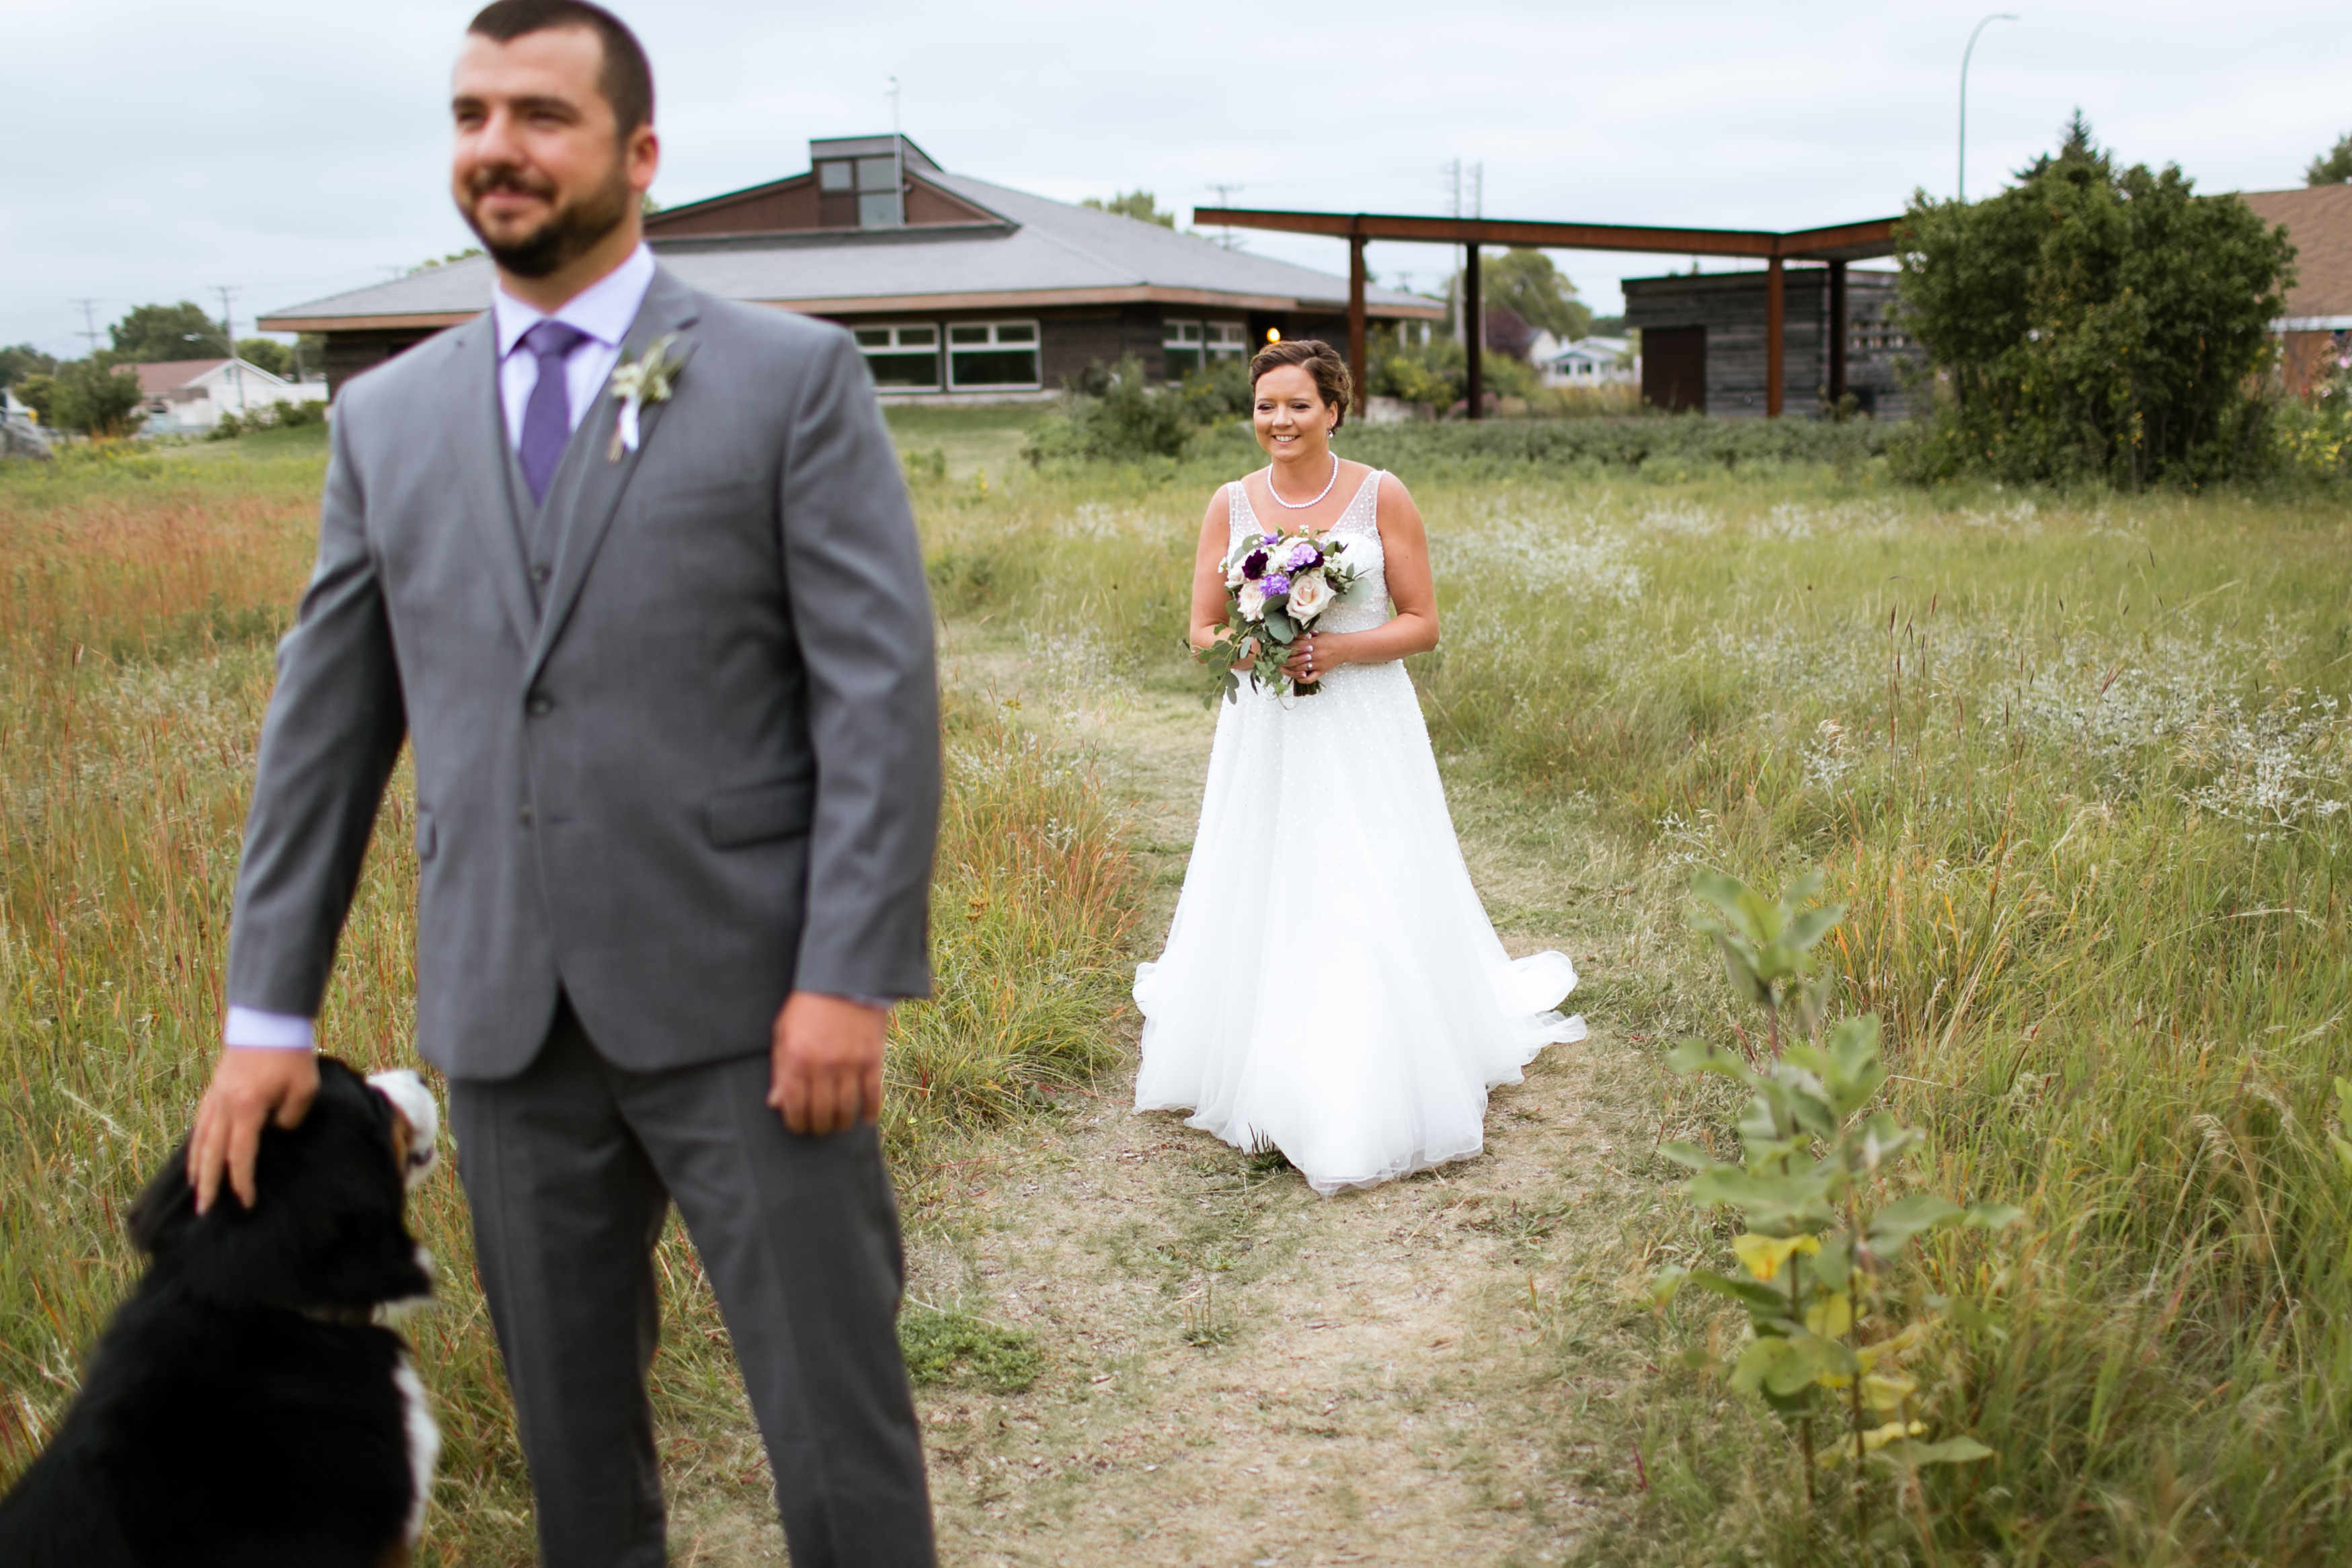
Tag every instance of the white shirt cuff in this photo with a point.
(250, 1028)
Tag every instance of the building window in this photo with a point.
(1180, 349)
(873, 180)
(901, 358)
(1187, 346)
(993, 355)
(835, 176)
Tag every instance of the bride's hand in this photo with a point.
(1311, 658)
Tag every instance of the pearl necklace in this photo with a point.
(1302, 505)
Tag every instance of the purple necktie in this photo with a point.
(547, 418)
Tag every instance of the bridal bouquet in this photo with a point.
(1277, 587)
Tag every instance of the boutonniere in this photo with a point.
(647, 379)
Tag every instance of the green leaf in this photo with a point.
(1697, 1056)
(1950, 1451)
(1747, 1292)
(1899, 1221)
(1689, 1154)
(1759, 1197)
(1811, 926)
(1280, 627)
(1984, 1215)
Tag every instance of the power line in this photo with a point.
(228, 334)
(88, 322)
(1225, 237)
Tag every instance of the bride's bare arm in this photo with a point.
(1413, 629)
(1208, 570)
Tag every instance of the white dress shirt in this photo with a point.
(604, 311)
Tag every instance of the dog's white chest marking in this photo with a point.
(424, 1442)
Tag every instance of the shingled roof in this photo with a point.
(1033, 252)
(2319, 221)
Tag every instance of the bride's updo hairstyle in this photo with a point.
(1320, 360)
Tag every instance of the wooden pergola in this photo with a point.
(1835, 246)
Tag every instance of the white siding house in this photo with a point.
(188, 397)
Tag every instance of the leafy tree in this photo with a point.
(2094, 320)
(1522, 293)
(38, 390)
(1140, 205)
(2333, 168)
(96, 396)
(268, 354)
(22, 360)
(152, 333)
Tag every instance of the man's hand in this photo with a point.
(249, 1088)
(826, 1062)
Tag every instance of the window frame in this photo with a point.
(936, 350)
(1034, 346)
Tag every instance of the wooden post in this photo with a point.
(1473, 331)
(1356, 366)
(1774, 330)
(1837, 332)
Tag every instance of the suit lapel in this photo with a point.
(483, 458)
(583, 501)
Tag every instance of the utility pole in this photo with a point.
(1226, 199)
(229, 336)
(1960, 186)
(88, 322)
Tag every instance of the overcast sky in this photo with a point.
(292, 150)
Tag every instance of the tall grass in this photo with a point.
(2081, 769)
(140, 600)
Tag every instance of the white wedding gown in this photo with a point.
(1332, 984)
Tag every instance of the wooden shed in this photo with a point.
(1704, 337)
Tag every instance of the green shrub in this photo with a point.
(95, 397)
(1111, 413)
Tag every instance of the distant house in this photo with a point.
(957, 290)
(2318, 319)
(188, 397)
(1702, 341)
(1587, 362)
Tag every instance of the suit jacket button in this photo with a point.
(525, 814)
(540, 705)
(539, 574)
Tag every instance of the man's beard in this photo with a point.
(570, 232)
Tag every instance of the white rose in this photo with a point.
(1310, 595)
(1253, 602)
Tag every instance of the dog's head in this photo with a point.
(325, 1232)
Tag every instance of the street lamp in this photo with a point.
(1961, 186)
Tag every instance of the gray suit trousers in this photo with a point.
(570, 1169)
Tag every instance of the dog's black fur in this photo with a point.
(242, 1410)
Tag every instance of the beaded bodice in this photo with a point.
(1366, 604)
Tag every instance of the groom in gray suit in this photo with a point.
(665, 665)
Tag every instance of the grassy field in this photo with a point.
(2077, 766)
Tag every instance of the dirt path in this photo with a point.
(1243, 1373)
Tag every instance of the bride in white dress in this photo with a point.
(1331, 985)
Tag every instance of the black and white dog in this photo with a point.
(245, 1407)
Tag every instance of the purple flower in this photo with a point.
(1253, 565)
(1305, 557)
(1275, 583)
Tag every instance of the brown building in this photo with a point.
(957, 290)
(1703, 337)
(2319, 318)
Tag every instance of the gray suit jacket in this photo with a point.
(676, 736)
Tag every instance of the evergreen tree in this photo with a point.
(2095, 319)
(2333, 167)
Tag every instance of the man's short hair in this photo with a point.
(626, 81)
